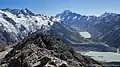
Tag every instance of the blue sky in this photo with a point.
(51, 7)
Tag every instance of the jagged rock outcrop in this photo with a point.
(41, 50)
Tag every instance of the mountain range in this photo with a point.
(15, 24)
(104, 28)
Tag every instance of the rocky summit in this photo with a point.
(42, 50)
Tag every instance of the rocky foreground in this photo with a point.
(41, 50)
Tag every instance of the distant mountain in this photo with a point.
(15, 24)
(41, 50)
(103, 28)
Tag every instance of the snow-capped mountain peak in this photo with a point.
(67, 11)
(18, 11)
(19, 23)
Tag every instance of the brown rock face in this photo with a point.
(41, 50)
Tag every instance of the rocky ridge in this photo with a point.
(42, 50)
